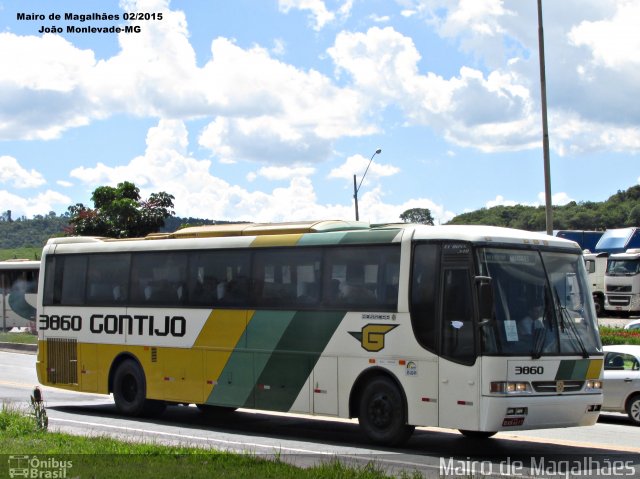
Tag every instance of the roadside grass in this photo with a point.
(20, 338)
(104, 457)
(612, 335)
(31, 253)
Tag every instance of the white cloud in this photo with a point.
(251, 176)
(166, 166)
(319, 15)
(590, 46)
(36, 105)
(380, 18)
(271, 112)
(279, 47)
(357, 165)
(276, 173)
(500, 201)
(35, 204)
(372, 208)
(264, 110)
(263, 139)
(64, 184)
(573, 134)
(613, 42)
(493, 112)
(557, 199)
(11, 172)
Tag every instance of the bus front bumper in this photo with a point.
(515, 413)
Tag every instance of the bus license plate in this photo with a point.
(512, 421)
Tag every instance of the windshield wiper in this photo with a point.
(566, 322)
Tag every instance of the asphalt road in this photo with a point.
(303, 440)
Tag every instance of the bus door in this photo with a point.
(458, 370)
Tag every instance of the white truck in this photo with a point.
(596, 264)
(622, 283)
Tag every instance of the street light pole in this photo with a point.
(356, 189)
(545, 127)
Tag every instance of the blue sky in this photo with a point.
(263, 110)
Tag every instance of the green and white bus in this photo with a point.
(480, 329)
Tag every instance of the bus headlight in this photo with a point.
(593, 384)
(505, 387)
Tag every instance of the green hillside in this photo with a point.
(620, 210)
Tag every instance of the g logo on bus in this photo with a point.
(560, 386)
(371, 336)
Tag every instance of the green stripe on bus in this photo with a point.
(572, 369)
(295, 356)
(373, 236)
(236, 382)
(315, 239)
(349, 237)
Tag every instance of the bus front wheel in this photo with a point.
(381, 413)
(130, 391)
(477, 434)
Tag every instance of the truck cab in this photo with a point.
(622, 282)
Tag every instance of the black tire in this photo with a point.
(598, 302)
(382, 413)
(633, 409)
(477, 434)
(130, 391)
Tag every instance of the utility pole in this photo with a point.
(545, 127)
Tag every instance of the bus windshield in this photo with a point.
(542, 304)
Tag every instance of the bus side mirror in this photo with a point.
(485, 299)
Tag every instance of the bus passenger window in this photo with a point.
(286, 278)
(158, 278)
(72, 271)
(108, 278)
(362, 277)
(217, 278)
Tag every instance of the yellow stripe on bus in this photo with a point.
(276, 240)
(221, 332)
(595, 368)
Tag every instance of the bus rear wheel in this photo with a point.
(130, 391)
(214, 411)
(382, 413)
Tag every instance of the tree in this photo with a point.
(120, 213)
(417, 215)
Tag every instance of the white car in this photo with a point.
(635, 324)
(621, 385)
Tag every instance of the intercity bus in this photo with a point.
(480, 329)
(18, 292)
